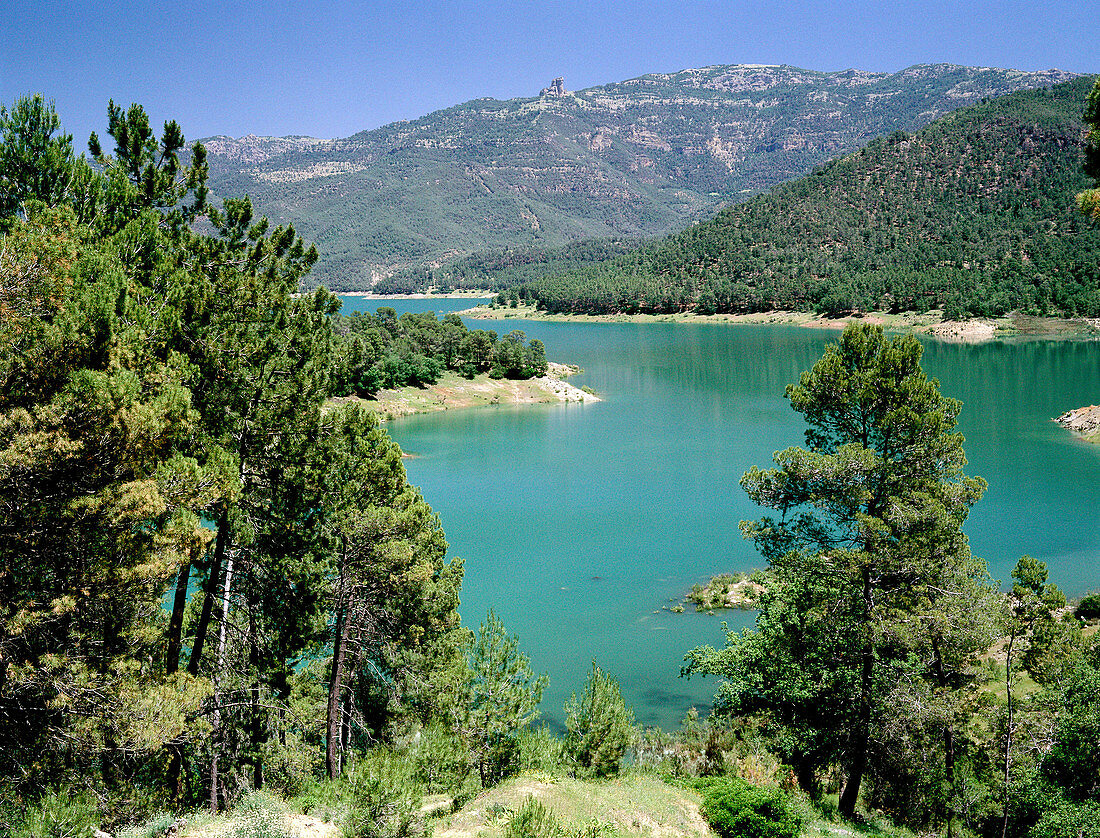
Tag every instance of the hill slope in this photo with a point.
(975, 212)
(641, 157)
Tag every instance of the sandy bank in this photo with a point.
(930, 323)
(453, 392)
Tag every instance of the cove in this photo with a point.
(578, 523)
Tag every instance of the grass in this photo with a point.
(632, 806)
(453, 392)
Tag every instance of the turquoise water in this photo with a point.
(438, 305)
(578, 523)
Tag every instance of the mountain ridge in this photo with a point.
(974, 213)
(639, 157)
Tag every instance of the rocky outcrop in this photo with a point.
(1083, 420)
(638, 158)
(556, 88)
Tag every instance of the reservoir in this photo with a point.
(582, 525)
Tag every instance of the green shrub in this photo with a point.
(323, 799)
(532, 820)
(1068, 820)
(736, 809)
(1089, 609)
(539, 750)
(154, 827)
(440, 760)
(59, 814)
(385, 798)
(601, 726)
(258, 815)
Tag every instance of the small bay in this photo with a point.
(580, 523)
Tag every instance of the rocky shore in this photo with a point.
(1084, 421)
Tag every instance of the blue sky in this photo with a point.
(329, 69)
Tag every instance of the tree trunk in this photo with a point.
(1008, 728)
(219, 664)
(861, 736)
(256, 720)
(948, 739)
(210, 592)
(175, 623)
(335, 717)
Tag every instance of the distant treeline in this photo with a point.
(502, 268)
(974, 214)
(380, 351)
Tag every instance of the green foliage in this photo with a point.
(736, 809)
(539, 750)
(258, 815)
(973, 213)
(57, 814)
(600, 725)
(1034, 603)
(1073, 762)
(1088, 200)
(499, 270)
(1088, 608)
(35, 165)
(155, 827)
(383, 351)
(501, 698)
(532, 820)
(1068, 820)
(869, 576)
(441, 763)
(184, 524)
(385, 799)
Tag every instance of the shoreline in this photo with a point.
(930, 324)
(453, 392)
(1083, 422)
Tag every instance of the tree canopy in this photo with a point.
(189, 528)
(868, 571)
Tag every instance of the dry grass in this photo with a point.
(635, 806)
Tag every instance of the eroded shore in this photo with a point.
(931, 323)
(453, 392)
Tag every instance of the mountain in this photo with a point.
(637, 158)
(974, 213)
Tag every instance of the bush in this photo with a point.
(59, 814)
(532, 820)
(539, 750)
(323, 799)
(1069, 820)
(385, 799)
(1089, 609)
(736, 809)
(601, 726)
(440, 760)
(258, 815)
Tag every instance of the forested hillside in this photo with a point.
(974, 213)
(642, 157)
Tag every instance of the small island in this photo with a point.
(728, 590)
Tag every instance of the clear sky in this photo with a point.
(330, 69)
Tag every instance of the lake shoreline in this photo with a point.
(931, 323)
(453, 392)
(1083, 422)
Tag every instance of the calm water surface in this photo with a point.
(578, 523)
